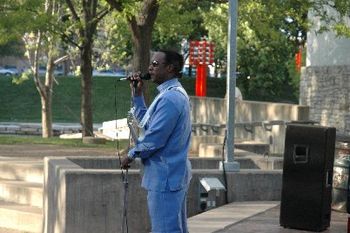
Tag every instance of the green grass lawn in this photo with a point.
(21, 103)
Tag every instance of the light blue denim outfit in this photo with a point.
(163, 150)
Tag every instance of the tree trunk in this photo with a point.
(142, 38)
(86, 86)
(141, 26)
(46, 118)
(46, 100)
(44, 90)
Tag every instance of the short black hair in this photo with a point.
(175, 59)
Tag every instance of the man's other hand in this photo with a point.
(125, 162)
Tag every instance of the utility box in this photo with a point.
(209, 191)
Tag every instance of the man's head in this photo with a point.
(165, 65)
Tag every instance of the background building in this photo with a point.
(325, 81)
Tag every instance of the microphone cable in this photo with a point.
(124, 176)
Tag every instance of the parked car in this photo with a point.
(13, 68)
(7, 72)
(109, 73)
(57, 72)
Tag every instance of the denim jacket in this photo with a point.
(164, 146)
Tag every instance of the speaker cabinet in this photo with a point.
(307, 177)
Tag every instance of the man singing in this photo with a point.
(163, 148)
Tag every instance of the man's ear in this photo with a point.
(171, 68)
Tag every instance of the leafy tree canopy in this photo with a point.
(18, 17)
(268, 36)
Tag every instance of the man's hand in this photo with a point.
(125, 162)
(136, 83)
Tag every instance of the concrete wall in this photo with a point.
(326, 90)
(80, 199)
(90, 200)
(213, 111)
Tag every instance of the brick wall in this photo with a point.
(326, 90)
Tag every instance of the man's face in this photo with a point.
(158, 68)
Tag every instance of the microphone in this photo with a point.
(146, 76)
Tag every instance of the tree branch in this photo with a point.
(61, 59)
(67, 39)
(150, 11)
(72, 9)
(115, 4)
(102, 14)
(37, 81)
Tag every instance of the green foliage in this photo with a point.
(26, 75)
(342, 29)
(12, 48)
(113, 43)
(216, 22)
(268, 36)
(177, 19)
(20, 16)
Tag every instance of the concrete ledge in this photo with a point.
(269, 163)
(255, 147)
(36, 129)
(196, 140)
(110, 162)
(80, 198)
(213, 163)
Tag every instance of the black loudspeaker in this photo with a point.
(307, 177)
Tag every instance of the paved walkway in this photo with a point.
(252, 217)
(246, 217)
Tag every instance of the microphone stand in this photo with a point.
(125, 202)
(133, 134)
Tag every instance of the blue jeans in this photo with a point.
(168, 211)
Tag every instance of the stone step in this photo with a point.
(241, 149)
(253, 146)
(211, 154)
(22, 192)
(25, 170)
(20, 217)
(210, 150)
(269, 163)
(196, 140)
(245, 162)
